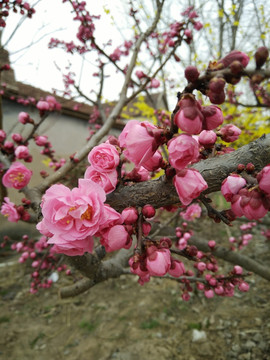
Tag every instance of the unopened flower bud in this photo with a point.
(148, 211)
(250, 167)
(191, 73)
(216, 98)
(261, 56)
(217, 84)
(236, 67)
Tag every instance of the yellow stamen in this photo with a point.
(87, 215)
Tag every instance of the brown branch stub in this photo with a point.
(95, 271)
(76, 289)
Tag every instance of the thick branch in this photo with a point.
(96, 271)
(161, 192)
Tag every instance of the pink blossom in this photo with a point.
(231, 185)
(177, 268)
(155, 162)
(17, 138)
(191, 73)
(201, 266)
(73, 214)
(138, 174)
(138, 267)
(193, 15)
(17, 176)
(182, 243)
(139, 141)
(213, 117)
(232, 56)
(104, 157)
(264, 179)
(43, 105)
(189, 117)
(192, 212)
(235, 205)
(9, 146)
(112, 217)
(71, 248)
(238, 270)
(23, 117)
(209, 293)
(140, 74)
(158, 261)
(41, 140)
(211, 244)
(198, 25)
(53, 104)
(229, 133)
(3, 135)
(188, 33)
(155, 83)
(116, 54)
(189, 120)
(189, 183)
(146, 228)
(148, 211)
(130, 215)
(107, 180)
(9, 210)
(21, 152)
(116, 238)
(253, 204)
(183, 150)
(244, 286)
(207, 138)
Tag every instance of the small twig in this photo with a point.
(213, 213)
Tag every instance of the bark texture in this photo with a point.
(161, 192)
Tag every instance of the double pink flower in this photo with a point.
(104, 159)
(17, 176)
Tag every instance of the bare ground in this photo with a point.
(119, 319)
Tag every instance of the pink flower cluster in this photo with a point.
(192, 118)
(253, 202)
(156, 261)
(72, 217)
(49, 104)
(104, 160)
(13, 213)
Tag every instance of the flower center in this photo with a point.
(88, 214)
(19, 177)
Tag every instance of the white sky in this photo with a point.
(38, 65)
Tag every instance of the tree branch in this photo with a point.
(233, 258)
(161, 192)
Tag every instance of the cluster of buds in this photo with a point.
(154, 259)
(44, 262)
(192, 117)
(244, 238)
(248, 192)
(15, 6)
(16, 149)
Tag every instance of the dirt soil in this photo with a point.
(119, 319)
